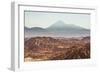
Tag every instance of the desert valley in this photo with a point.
(57, 42)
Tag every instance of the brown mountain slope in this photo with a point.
(48, 48)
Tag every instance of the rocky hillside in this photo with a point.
(48, 48)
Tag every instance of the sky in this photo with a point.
(46, 19)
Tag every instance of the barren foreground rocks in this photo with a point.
(49, 48)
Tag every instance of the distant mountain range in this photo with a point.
(58, 29)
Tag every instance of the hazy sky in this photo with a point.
(45, 19)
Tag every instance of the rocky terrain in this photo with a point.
(49, 48)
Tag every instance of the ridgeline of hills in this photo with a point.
(58, 29)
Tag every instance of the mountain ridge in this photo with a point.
(59, 28)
